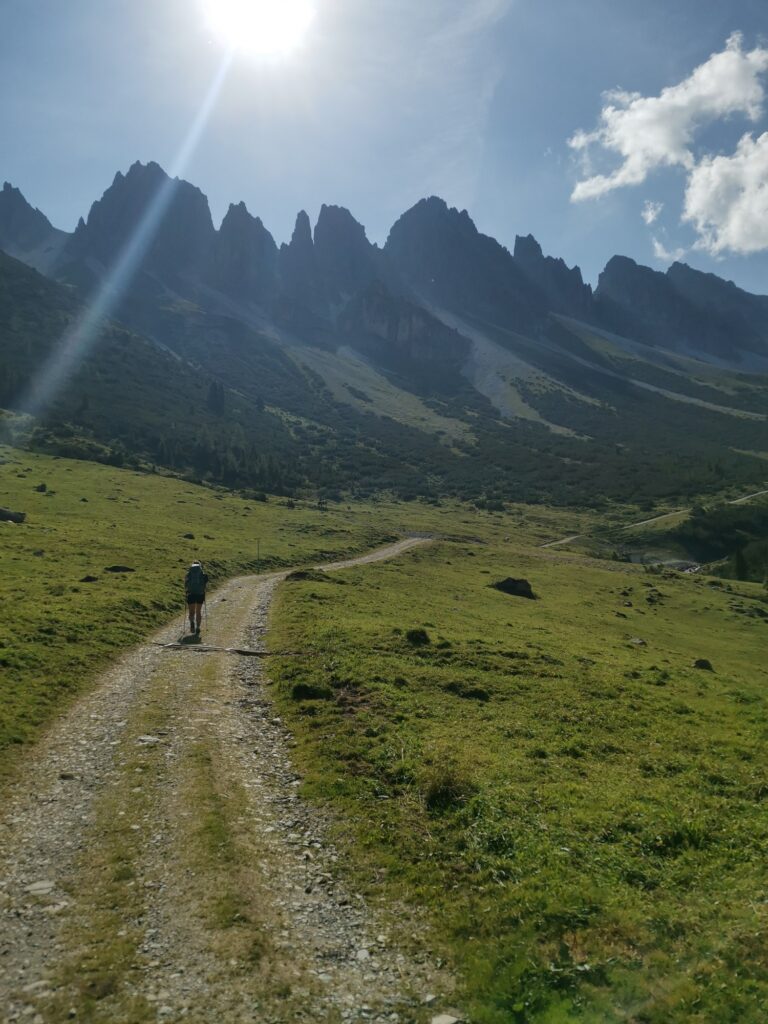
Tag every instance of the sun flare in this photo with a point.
(264, 28)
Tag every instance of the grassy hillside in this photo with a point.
(216, 399)
(56, 629)
(580, 808)
(130, 399)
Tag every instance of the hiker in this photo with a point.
(195, 583)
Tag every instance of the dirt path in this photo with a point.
(562, 540)
(156, 862)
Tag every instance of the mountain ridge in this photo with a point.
(442, 345)
(433, 252)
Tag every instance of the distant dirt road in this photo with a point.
(654, 519)
(157, 864)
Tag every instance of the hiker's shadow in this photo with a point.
(190, 639)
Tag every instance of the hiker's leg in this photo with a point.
(194, 616)
(191, 610)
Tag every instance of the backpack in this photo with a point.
(196, 580)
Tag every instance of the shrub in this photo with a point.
(446, 786)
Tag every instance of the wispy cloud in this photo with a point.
(461, 68)
(423, 75)
(649, 132)
(467, 20)
(665, 255)
(651, 211)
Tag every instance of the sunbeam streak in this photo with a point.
(80, 336)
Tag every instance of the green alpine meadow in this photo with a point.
(100, 560)
(579, 808)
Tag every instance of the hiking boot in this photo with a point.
(197, 631)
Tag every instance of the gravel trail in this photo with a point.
(157, 863)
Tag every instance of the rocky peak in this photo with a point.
(429, 223)
(624, 281)
(245, 256)
(703, 287)
(297, 264)
(345, 257)
(184, 232)
(743, 315)
(625, 289)
(437, 251)
(241, 229)
(527, 250)
(301, 239)
(672, 311)
(563, 287)
(22, 227)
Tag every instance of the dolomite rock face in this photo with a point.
(562, 287)
(244, 262)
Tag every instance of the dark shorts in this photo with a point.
(195, 598)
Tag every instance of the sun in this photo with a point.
(263, 28)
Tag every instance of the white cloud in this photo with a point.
(657, 131)
(726, 199)
(665, 255)
(651, 211)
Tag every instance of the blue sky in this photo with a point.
(508, 108)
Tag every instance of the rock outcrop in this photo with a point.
(345, 259)
(26, 233)
(438, 253)
(399, 333)
(741, 318)
(167, 220)
(297, 265)
(682, 310)
(244, 262)
(7, 516)
(515, 588)
(563, 287)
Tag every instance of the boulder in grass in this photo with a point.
(418, 637)
(119, 568)
(6, 516)
(515, 588)
(703, 663)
